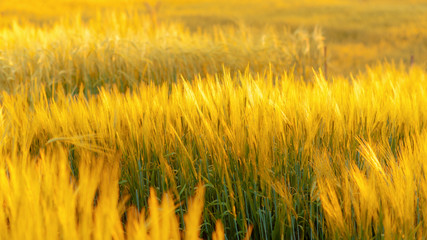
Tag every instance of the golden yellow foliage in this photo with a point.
(107, 104)
(42, 200)
(356, 148)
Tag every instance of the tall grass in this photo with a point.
(99, 116)
(127, 48)
(319, 159)
(41, 199)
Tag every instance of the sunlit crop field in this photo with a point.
(140, 120)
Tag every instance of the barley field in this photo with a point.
(187, 119)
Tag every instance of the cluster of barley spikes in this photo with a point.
(98, 120)
(126, 48)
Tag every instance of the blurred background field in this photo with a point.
(357, 33)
